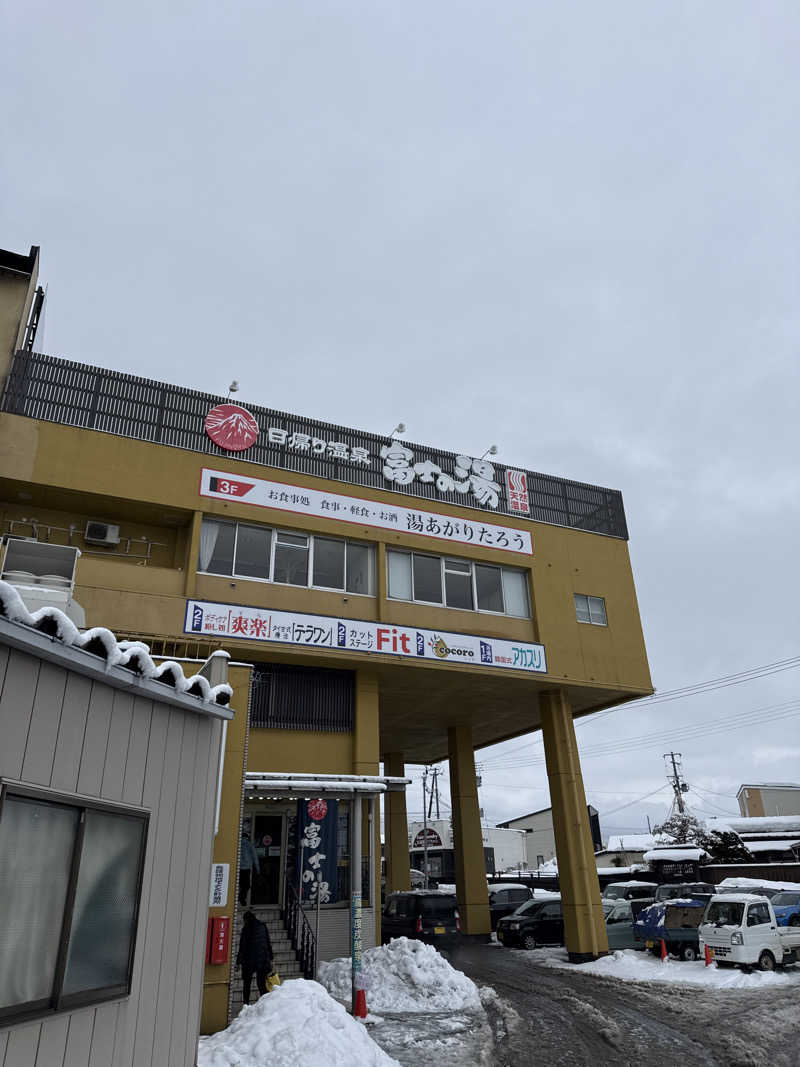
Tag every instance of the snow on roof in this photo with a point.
(783, 845)
(768, 785)
(494, 886)
(759, 883)
(98, 641)
(649, 885)
(635, 842)
(677, 854)
(756, 824)
(634, 867)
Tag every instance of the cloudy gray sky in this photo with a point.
(571, 229)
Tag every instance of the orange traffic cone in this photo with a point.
(707, 954)
(663, 949)
(361, 1004)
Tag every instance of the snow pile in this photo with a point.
(133, 655)
(296, 1023)
(405, 975)
(632, 966)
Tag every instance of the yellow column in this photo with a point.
(192, 553)
(584, 925)
(366, 757)
(398, 865)
(471, 885)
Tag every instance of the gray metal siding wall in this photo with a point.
(63, 731)
(334, 931)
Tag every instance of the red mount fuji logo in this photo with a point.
(231, 427)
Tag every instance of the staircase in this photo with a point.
(284, 956)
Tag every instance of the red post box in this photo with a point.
(219, 930)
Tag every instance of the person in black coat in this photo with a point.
(254, 956)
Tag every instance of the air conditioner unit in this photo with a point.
(101, 533)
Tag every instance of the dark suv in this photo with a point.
(425, 915)
(538, 922)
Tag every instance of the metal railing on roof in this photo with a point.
(77, 394)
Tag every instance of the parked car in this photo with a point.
(741, 930)
(786, 906)
(505, 899)
(685, 891)
(537, 922)
(425, 915)
(619, 924)
(629, 891)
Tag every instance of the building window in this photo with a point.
(457, 583)
(241, 550)
(590, 609)
(70, 888)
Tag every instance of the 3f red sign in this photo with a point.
(229, 486)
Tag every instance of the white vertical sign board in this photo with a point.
(220, 874)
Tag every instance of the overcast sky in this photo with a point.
(570, 229)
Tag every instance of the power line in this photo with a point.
(723, 682)
(771, 713)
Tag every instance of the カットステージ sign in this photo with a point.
(356, 635)
(221, 485)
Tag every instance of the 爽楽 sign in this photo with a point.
(357, 635)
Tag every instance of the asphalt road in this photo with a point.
(554, 1016)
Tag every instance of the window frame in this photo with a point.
(471, 563)
(275, 532)
(590, 621)
(58, 1002)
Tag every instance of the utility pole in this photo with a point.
(676, 780)
(425, 826)
(434, 793)
(649, 827)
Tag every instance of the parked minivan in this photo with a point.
(426, 915)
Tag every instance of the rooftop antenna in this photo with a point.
(399, 428)
(490, 451)
(233, 387)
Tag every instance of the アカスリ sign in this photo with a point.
(221, 485)
(355, 635)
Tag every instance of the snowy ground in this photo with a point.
(297, 1023)
(422, 1009)
(631, 966)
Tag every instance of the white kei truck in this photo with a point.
(741, 930)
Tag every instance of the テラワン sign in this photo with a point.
(356, 635)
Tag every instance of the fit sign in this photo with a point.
(299, 500)
(355, 635)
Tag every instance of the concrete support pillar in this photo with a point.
(366, 757)
(584, 925)
(395, 825)
(366, 725)
(471, 887)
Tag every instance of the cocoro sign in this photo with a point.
(231, 427)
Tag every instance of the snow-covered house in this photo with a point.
(108, 789)
(627, 850)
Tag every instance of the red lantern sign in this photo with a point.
(231, 427)
(317, 809)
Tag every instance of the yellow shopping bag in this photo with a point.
(272, 981)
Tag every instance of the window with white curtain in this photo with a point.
(70, 883)
(246, 550)
(591, 609)
(457, 583)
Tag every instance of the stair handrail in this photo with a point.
(299, 929)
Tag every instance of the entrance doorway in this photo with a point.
(268, 840)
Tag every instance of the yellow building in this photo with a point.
(386, 603)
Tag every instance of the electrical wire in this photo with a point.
(752, 674)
